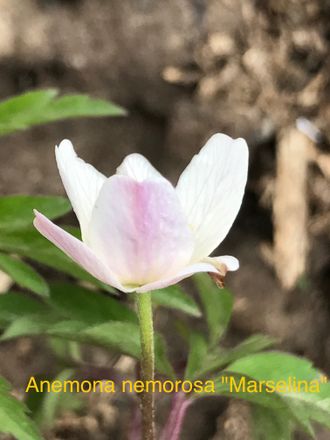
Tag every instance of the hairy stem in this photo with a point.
(144, 307)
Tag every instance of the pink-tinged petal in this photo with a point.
(184, 273)
(138, 168)
(77, 250)
(211, 190)
(81, 181)
(139, 230)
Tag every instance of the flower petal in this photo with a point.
(211, 189)
(139, 230)
(82, 182)
(75, 249)
(184, 273)
(230, 263)
(138, 168)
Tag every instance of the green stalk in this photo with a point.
(144, 307)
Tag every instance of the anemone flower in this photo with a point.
(139, 232)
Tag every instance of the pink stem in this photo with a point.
(135, 428)
(175, 420)
(179, 420)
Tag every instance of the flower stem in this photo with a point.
(172, 429)
(144, 307)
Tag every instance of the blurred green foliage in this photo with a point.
(43, 106)
(69, 314)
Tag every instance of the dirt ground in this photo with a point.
(184, 70)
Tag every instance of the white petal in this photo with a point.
(139, 230)
(82, 182)
(211, 190)
(184, 273)
(230, 262)
(75, 249)
(138, 168)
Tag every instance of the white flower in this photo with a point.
(139, 233)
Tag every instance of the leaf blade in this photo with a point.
(197, 354)
(14, 305)
(16, 211)
(174, 297)
(271, 424)
(305, 406)
(217, 304)
(253, 344)
(42, 106)
(92, 307)
(122, 337)
(29, 243)
(13, 416)
(23, 274)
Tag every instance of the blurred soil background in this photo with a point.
(184, 70)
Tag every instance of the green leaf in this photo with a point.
(119, 336)
(23, 274)
(252, 344)
(29, 325)
(16, 111)
(13, 416)
(74, 106)
(46, 405)
(305, 405)
(122, 337)
(66, 351)
(29, 243)
(16, 211)
(176, 298)
(223, 357)
(91, 307)
(15, 305)
(269, 424)
(52, 402)
(182, 329)
(42, 106)
(162, 362)
(275, 365)
(232, 385)
(217, 304)
(197, 354)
